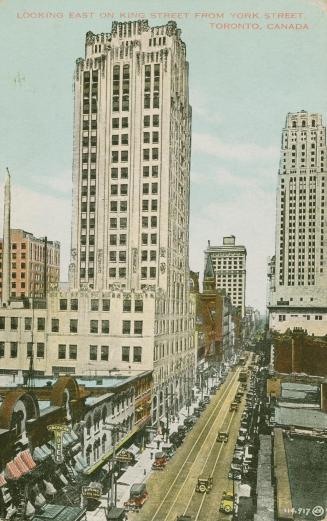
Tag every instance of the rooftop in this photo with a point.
(307, 461)
(299, 417)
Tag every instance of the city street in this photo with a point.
(172, 491)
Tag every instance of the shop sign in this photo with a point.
(92, 492)
(58, 429)
(124, 457)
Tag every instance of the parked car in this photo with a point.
(227, 503)
(197, 412)
(206, 399)
(160, 461)
(137, 496)
(237, 476)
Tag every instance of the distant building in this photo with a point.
(29, 264)
(229, 264)
(298, 274)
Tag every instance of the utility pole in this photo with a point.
(114, 429)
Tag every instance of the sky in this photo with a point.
(244, 79)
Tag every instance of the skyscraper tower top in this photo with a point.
(132, 145)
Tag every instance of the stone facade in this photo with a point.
(298, 273)
(229, 263)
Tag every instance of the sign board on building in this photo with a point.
(125, 457)
(92, 492)
(58, 429)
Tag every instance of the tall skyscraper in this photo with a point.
(298, 292)
(128, 306)
(132, 136)
(229, 263)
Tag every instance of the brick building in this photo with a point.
(28, 266)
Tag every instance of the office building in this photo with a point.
(229, 263)
(299, 283)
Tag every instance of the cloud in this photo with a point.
(43, 215)
(213, 146)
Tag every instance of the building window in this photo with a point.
(73, 325)
(63, 304)
(13, 349)
(126, 327)
(13, 323)
(93, 352)
(125, 353)
(127, 305)
(28, 323)
(40, 350)
(93, 326)
(105, 304)
(137, 354)
(104, 353)
(2, 323)
(2, 349)
(61, 351)
(138, 327)
(55, 325)
(74, 304)
(73, 352)
(94, 305)
(138, 306)
(105, 327)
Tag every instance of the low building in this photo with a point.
(97, 419)
(35, 265)
(299, 352)
(87, 332)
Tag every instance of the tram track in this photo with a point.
(174, 488)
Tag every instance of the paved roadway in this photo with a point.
(172, 491)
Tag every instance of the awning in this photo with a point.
(27, 459)
(40, 500)
(19, 462)
(133, 449)
(81, 464)
(12, 471)
(30, 510)
(49, 488)
(2, 480)
(39, 454)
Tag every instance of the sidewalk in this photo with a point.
(141, 471)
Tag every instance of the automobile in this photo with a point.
(243, 431)
(188, 423)
(169, 450)
(197, 412)
(240, 440)
(237, 467)
(206, 399)
(222, 436)
(204, 484)
(160, 461)
(137, 496)
(238, 459)
(233, 406)
(176, 439)
(201, 405)
(238, 398)
(116, 514)
(181, 430)
(237, 476)
(183, 518)
(227, 503)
